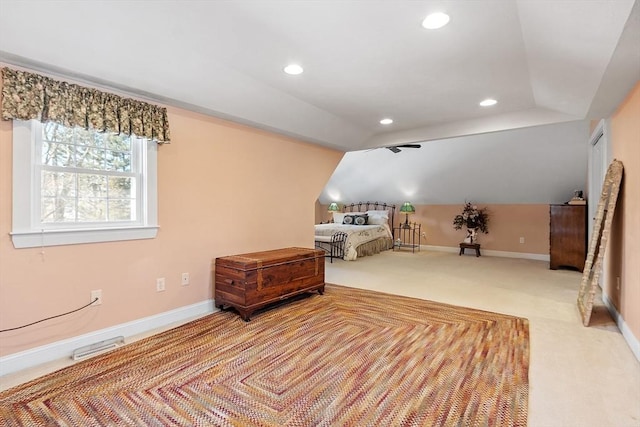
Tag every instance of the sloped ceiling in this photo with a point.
(542, 164)
(544, 61)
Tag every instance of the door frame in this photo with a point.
(600, 134)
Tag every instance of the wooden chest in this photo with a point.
(250, 281)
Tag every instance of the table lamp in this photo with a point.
(333, 207)
(407, 208)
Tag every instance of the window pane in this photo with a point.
(121, 210)
(54, 154)
(58, 184)
(88, 137)
(120, 187)
(55, 132)
(90, 158)
(118, 161)
(118, 142)
(57, 209)
(100, 178)
(92, 209)
(92, 185)
(98, 138)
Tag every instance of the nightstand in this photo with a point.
(407, 236)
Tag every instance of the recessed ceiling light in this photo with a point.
(488, 102)
(386, 121)
(435, 21)
(293, 69)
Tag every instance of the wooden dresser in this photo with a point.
(568, 236)
(250, 281)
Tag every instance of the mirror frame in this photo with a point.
(599, 237)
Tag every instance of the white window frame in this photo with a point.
(26, 230)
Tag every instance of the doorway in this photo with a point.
(598, 160)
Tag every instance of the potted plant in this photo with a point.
(474, 219)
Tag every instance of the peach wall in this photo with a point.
(623, 252)
(507, 224)
(223, 189)
(322, 215)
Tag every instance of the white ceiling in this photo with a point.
(539, 165)
(544, 61)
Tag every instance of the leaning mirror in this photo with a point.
(599, 238)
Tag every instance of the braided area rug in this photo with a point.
(349, 357)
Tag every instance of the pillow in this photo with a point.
(383, 213)
(361, 219)
(357, 219)
(378, 220)
(338, 217)
(378, 217)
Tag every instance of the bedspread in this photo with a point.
(356, 235)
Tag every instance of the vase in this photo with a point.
(472, 235)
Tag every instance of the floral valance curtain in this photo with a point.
(27, 96)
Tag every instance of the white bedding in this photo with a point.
(356, 235)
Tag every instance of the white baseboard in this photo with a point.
(488, 252)
(632, 341)
(61, 349)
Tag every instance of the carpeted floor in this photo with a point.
(348, 357)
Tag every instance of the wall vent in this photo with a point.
(98, 347)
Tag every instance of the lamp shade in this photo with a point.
(407, 208)
(333, 207)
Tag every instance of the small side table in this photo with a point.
(407, 236)
(475, 246)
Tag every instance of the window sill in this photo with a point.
(36, 239)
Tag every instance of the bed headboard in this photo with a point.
(372, 206)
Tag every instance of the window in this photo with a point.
(72, 185)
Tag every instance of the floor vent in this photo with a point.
(98, 347)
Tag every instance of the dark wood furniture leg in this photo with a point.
(475, 246)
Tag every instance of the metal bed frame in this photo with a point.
(333, 245)
(373, 206)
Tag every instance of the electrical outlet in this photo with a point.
(160, 284)
(424, 234)
(185, 279)
(522, 240)
(97, 294)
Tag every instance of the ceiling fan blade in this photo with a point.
(397, 148)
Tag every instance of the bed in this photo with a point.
(367, 228)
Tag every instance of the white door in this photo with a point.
(598, 164)
(597, 171)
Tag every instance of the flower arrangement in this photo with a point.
(472, 218)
